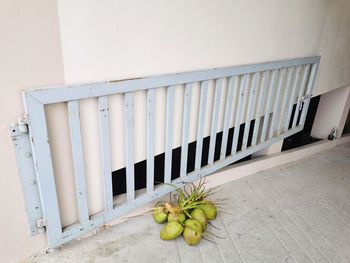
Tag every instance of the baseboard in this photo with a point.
(253, 166)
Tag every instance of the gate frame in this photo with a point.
(32, 146)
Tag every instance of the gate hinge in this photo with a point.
(20, 127)
(41, 223)
(19, 133)
(22, 123)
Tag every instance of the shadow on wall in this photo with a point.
(347, 125)
(119, 176)
(299, 139)
(303, 137)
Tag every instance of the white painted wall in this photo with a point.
(109, 40)
(114, 39)
(30, 56)
(334, 70)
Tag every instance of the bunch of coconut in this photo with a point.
(188, 215)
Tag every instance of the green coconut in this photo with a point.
(176, 217)
(209, 210)
(171, 230)
(191, 236)
(159, 214)
(200, 216)
(194, 224)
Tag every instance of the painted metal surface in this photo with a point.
(103, 108)
(228, 114)
(277, 102)
(39, 141)
(200, 125)
(241, 94)
(249, 110)
(214, 120)
(78, 159)
(300, 94)
(260, 105)
(261, 93)
(84, 91)
(169, 133)
(185, 129)
(268, 105)
(151, 109)
(24, 156)
(129, 150)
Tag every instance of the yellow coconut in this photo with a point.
(176, 217)
(171, 230)
(194, 224)
(209, 210)
(192, 237)
(159, 214)
(200, 216)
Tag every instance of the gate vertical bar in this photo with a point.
(277, 102)
(242, 91)
(201, 122)
(285, 96)
(78, 160)
(151, 103)
(169, 133)
(43, 166)
(272, 88)
(129, 145)
(259, 108)
(300, 94)
(308, 92)
(227, 117)
(290, 102)
(105, 152)
(185, 129)
(214, 120)
(250, 109)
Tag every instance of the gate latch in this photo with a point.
(302, 101)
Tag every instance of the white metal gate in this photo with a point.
(276, 95)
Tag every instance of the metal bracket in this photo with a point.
(21, 142)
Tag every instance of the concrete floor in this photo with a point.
(299, 212)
